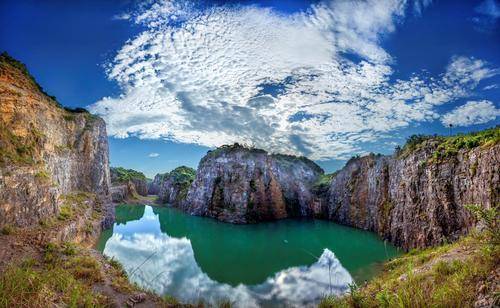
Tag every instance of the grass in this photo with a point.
(444, 276)
(72, 205)
(7, 230)
(42, 176)
(63, 278)
(447, 147)
(18, 150)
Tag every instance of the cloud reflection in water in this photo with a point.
(172, 269)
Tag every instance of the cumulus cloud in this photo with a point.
(315, 83)
(153, 155)
(471, 113)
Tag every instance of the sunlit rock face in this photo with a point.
(412, 200)
(242, 185)
(172, 269)
(127, 184)
(46, 151)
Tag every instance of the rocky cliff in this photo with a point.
(242, 185)
(414, 198)
(154, 185)
(46, 151)
(417, 197)
(174, 185)
(127, 184)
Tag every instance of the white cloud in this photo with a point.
(153, 155)
(172, 269)
(285, 83)
(471, 113)
(491, 87)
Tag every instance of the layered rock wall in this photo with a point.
(46, 151)
(415, 201)
(241, 185)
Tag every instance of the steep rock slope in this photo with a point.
(417, 197)
(127, 184)
(242, 185)
(46, 152)
(174, 185)
(154, 185)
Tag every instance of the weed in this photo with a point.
(7, 230)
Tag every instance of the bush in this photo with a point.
(491, 220)
(121, 175)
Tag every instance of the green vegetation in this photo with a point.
(445, 276)
(182, 175)
(6, 59)
(446, 147)
(64, 276)
(323, 182)
(72, 205)
(7, 230)
(42, 176)
(121, 175)
(16, 149)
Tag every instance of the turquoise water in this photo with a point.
(291, 262)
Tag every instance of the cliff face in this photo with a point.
(241, 185)
(154, 185)
(416, 200)
(46, 151)
(126, 184)
(173, 186)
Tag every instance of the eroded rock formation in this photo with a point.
(415, 200)
(127, 184)
(241, 185)
(174, 185)
(46, 151)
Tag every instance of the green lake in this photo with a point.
(292, 262)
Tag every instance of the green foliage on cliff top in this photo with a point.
(323, 182)
(228, 148)
(284, 158)
(445, 276)
(449, 146)
(182, 175)
(121, 175)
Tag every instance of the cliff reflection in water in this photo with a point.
(283, 263)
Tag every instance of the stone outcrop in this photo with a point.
(415, 200)
(154, 185)
(46, 151)
(174, 185)
(127, 184)
(241, 185)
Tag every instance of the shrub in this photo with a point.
(121, 175)
(7, 230)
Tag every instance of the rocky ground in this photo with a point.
(62, 246)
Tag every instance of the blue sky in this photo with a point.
(326, 79)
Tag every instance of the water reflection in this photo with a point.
(192, 258)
